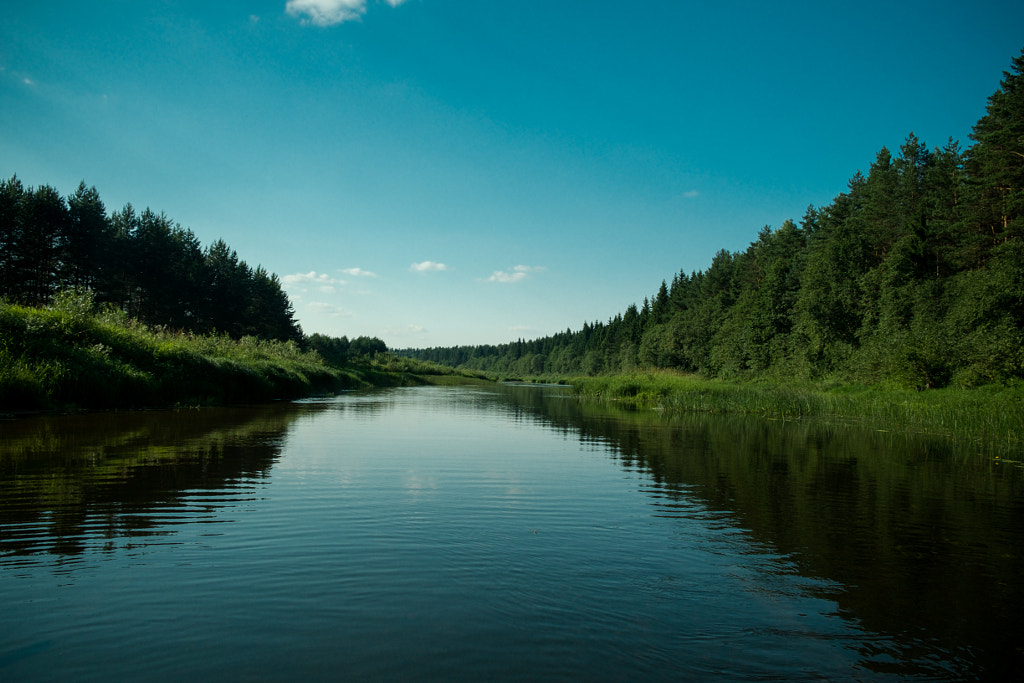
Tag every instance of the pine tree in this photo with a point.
(44, 226)
(86, 251)
(661, 308)
(228, 282)
(12, 206)
(996, 162)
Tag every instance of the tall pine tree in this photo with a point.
(996, 161)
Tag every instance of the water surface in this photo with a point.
(505, 533)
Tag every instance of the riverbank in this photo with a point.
(70, 357)
(992, 415)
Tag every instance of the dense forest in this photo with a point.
(141, 263)
(913, 275)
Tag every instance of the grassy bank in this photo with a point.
(993, 414)
(70, 356)
(422, 372)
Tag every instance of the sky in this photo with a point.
(448, 172)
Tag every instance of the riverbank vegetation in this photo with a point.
(127, 309)
(993, 414)
(143, 264)
(72, 354)
(912, 278)
(66, 355)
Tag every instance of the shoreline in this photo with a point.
(70, 360)
(991, 416)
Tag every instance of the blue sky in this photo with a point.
(441, 172)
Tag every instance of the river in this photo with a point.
(503, 533)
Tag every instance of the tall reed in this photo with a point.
(990, 414)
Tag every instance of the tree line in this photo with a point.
(142, 263)
(913, 275)
(148, 266)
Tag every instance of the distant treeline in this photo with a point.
(141, 263)
(914, 275)
(341, 350)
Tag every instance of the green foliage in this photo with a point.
(71, 355)
(334, 350)
(366, 347)
(142, 263)
(67, 355)
(994, 415)
(76, 303)
(997, 161)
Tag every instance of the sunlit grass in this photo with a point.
(985, 414)
(71, 355)
(67, 357)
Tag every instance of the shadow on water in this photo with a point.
(924, 537)
(70, 483)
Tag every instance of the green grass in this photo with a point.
(426, 372)
(987, 415)
(69, 357)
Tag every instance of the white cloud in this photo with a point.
(358, 272)
(410, 330)
(517, 274)
(329, 12)
(326, 12)
(403, 335)
(502, 276)
(691, 194)
(311, 279)
(329, 310)
(427, 266)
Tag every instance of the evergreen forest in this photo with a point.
(143, 264)
(913, 276)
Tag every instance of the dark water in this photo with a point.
(506, 533)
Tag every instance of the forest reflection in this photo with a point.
(67, 481)
(920, 534)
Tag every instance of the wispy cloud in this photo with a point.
(329, 12)
(428, 267)
(303, 281)
(312, 277)
(690, 194)
(410, 330)
(358, 272)
(330, 310)
(400, 336)
(517, 274)
(22, 77)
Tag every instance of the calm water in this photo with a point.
(506, 533)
